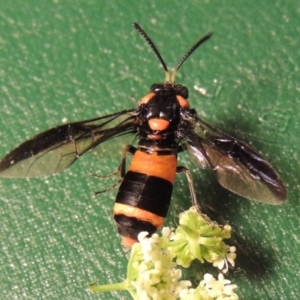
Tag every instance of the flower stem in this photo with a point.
(94, 288)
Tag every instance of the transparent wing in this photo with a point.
(237, 166)
(58, 148)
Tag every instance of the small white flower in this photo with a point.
(142, 235)
(220, 289)
(222, 260)
(167, 233)
(156, 277)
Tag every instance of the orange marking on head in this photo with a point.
(182, 102)
(140, 214)
(147, 98)
(158, 124)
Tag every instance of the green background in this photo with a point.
(81, 59)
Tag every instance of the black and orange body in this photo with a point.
(145, 193)
(164, 124)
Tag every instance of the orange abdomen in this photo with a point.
(145, 194)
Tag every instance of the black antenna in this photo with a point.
(153, 47)
(185, 57)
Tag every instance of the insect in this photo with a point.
(165, 125)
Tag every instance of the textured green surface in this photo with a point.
(80, 59)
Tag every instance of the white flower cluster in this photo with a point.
(152, 272)
(197, 237)
(211, 288)
(157, 277)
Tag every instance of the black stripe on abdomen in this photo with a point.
(131, 227)
(149, 193)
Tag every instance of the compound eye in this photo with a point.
(182, 102)
(147, 98)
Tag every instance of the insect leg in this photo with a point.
(121, 169)
(129, 149)
(104, 176)
(189, 177)
(180, 149)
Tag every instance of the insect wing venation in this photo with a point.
(56, 149)
(237, 166)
